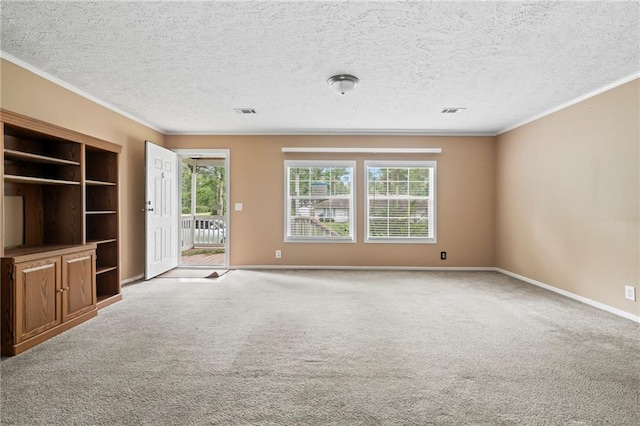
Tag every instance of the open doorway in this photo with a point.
(204, 224)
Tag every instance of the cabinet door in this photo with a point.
(38, 297)
(78, 284)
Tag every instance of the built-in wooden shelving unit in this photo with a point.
(101, 219)
(60, 188)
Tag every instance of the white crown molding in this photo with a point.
(64, 84)
(579, 99)
(336, 132)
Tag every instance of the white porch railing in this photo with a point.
(202, 231)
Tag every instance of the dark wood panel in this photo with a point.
(42, 170)
(108, 284)
(63, 213)
(107, 255)
(102, 198)
(101, 165)
(102, 227)
(19, 139)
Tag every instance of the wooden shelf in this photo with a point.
(36, 158)
(105, 241)
(105, 300)
(105, 269)
(98, 183)
(65, 189)
(37, 180)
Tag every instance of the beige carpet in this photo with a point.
(333, 348)
(193, 273)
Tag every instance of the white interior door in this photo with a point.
(161, 211)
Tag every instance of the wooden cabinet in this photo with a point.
(37, 304)
(78, 284)
(60, 189)
(45, 293)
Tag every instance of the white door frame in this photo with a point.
(211, 153)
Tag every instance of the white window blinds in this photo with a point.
(400, 201)
(319, 201)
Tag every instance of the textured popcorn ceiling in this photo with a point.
(184, 66)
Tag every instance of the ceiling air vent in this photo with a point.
(245, 110)
(452, 110)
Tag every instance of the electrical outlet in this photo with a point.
(443, 255)
(278, 254)
(630, 292)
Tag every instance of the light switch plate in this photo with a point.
(238, 207)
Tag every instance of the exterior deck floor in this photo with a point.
(203, 260)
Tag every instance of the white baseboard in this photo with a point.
(602, 306)
(132, 279)
(371, 268)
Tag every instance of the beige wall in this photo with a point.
(466, 201)
(568, 198)
(555, 200)
(26, 93)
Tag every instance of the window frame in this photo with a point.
(288, 164)
(432, 200)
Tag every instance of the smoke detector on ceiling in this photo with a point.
(343, 83)
(453, 110)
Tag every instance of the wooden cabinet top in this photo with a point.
(24, 254)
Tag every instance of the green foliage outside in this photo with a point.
(210, 189)
(341, 229)
(398, 181)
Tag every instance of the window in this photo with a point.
(400, 201)
(319, 201)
